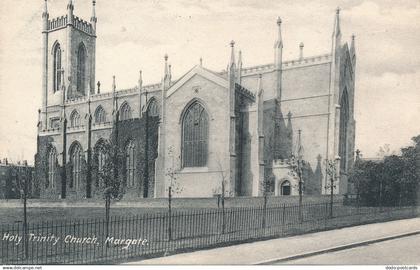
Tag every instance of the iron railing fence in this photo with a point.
(96, 241)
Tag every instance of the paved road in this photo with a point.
(270, 251)
(404, 250)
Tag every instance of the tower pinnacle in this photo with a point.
(278, 47)
(70, 8)
(93, 19)
(166, 71)
(279, 42)
(70, 5)
(337, 30)
(232, 55)
(45, 12)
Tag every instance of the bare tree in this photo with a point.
(296, 165)
(331, 168)
(174, 186)
(222, 190)
(108, 177)
(22, 175)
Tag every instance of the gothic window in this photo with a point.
(285, 188)
(76, 155)
(81, 68)
(100, 116)
(130, 164)
(195, 136)
(125, 112)
(52, 158)
(57, 68)
(102, 158)
(344, 120)
(74, 119)
(152, 108)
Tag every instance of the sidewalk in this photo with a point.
(262, 252)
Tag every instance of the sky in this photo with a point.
(136, 34)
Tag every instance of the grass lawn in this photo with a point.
(37, 215)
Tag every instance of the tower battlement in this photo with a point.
(57, 23)
(83, 25)
(78, 23)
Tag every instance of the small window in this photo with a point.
(74, 119)
(100, 116)
(285, 188)
(153, 108)
(125, 112)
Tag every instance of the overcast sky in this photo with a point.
(135, 34)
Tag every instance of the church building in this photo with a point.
(240, 130)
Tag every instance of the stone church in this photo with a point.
(238, 129)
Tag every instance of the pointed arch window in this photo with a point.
(130, 164)
(81, 69)
(74, 119)
(100, 115)
(101, 159)
(195, 129)
(285, 188)
(344, 121)
(76, 155)
(57, 67)
(52, 159)
(153, 108)
(125, 112)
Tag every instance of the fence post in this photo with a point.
(107, 210)
(264, 211)
(326, 215)
(223, 215)
(282, 219)
(169, 212)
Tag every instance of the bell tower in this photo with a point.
(69, 45)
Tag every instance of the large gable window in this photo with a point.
(195, 129)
